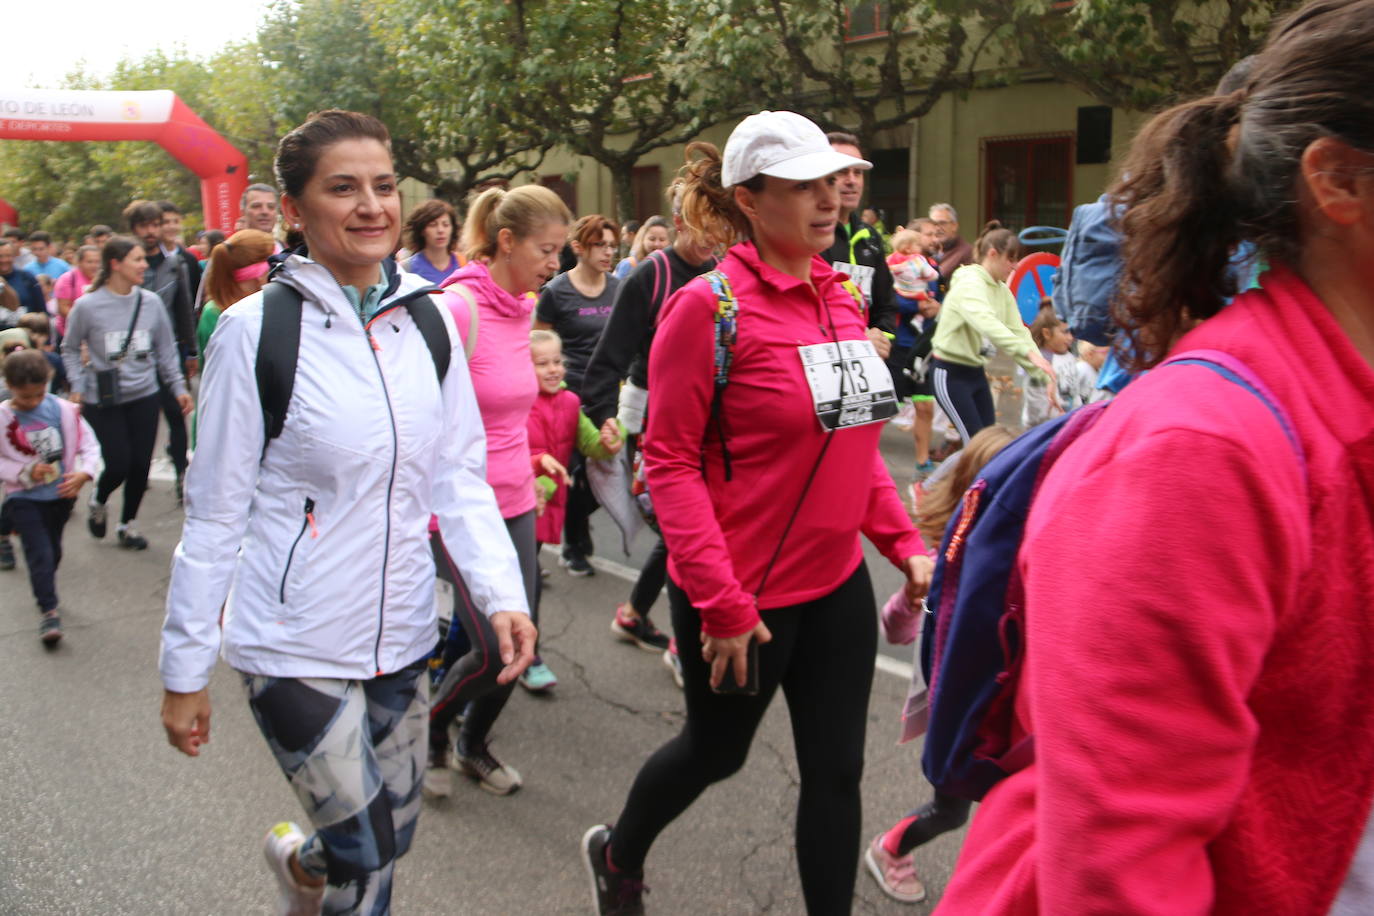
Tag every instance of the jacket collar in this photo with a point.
(822, 275)
(317, 284)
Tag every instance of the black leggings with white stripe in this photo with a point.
(965, 396)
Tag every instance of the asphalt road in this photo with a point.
(101, 816)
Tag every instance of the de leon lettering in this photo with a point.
(594, 311)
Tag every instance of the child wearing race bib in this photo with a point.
(47, 454)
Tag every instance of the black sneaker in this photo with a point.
(576, 565)
(95, 518)
(50, 629)
(614, 893)
(638, 630)
(6, 553)
(130, 539)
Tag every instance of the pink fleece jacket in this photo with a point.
(502, 378)
(1198, 673)
(720, 534)
(80, 448)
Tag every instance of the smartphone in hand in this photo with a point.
(728, 684)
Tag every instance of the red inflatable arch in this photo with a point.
(38, 114)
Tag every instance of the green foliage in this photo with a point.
(1134, 54)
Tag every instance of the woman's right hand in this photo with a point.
(186, 717)
(515, 639)
(731, 652)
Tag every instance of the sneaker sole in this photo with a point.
(437, 783)
(672, 669)
(539, 688)
(876, 871)
(587, 864)
(628, 636)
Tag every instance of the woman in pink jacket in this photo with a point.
(762, 488)
(511, 240)
(1197, 677)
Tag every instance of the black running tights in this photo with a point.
(127, 433)
(822, 656)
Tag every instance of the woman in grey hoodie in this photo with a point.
(125, 329)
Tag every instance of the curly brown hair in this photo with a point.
(1205, 176)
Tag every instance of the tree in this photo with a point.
(605, 78)
(1134, 54)
(816, 57)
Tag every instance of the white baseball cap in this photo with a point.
(782, 144)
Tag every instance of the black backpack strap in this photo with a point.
(426, 316)
(278, 348)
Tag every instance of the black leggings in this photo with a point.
(965, 396)
(941, 814)
(577, 529)
(822, 656)
(651, 579)
(127, 433)
(469, 686)
(176, 427)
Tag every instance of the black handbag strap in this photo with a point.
(129, 337)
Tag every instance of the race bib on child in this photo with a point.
(850, 384)
(139, 347)
(861, 274)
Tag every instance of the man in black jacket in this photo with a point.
(168, 276)
(858, 251)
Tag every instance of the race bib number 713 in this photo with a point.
(850, 384)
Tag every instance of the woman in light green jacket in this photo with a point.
(980, 307)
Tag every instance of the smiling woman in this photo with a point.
(321, 530)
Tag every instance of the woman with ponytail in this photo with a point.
(128, 337)
(238, 268)
(511, 240)
(1197, 676)
(761, 488)
(979, 306)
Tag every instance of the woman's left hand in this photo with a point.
(187, 405)
(919, 570)
(881, 342)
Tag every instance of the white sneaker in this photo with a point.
(293, 898)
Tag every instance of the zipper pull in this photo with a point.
(372, 340)
(310, 518)
(328, 320)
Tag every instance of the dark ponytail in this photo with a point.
(116, 249)
(1205, 176)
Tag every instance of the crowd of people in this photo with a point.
(381, 402)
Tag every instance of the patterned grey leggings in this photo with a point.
(354, 752)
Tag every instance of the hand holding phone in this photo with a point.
(735, 661)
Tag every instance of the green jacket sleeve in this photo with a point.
(589, 438)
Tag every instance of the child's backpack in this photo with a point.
(972, 645)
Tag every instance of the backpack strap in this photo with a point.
(469, 339)
(430, 323)
(727, 308)
(662, 276)
(279, 344)
(1238, 373)
(278, 347)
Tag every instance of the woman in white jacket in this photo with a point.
(321, 532)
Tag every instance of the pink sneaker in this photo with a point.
(896, 875)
